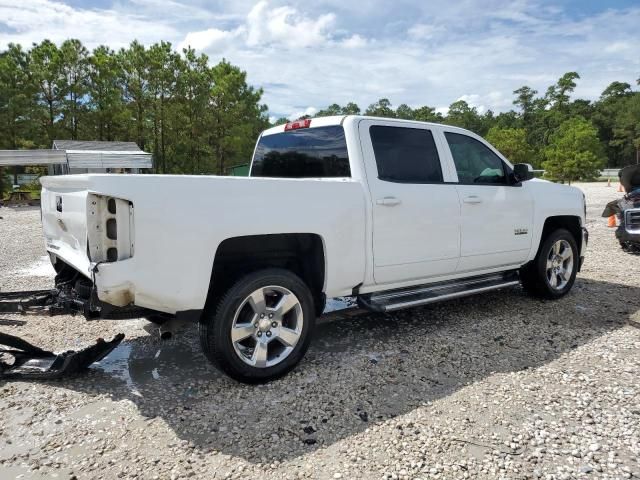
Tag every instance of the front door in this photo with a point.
(416, 216)
(496, 214)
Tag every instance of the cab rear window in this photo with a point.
(303, 153)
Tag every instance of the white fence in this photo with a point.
(607, 172)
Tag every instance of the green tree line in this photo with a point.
(570, 139)
(199, 118)
(195, 118)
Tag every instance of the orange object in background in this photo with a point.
(611, 221)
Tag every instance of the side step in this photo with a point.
(391, 300)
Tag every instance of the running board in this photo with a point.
(391, 300)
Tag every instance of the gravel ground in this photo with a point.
(494, 386)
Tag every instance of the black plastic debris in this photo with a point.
(30, 361)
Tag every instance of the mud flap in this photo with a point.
(33, 362)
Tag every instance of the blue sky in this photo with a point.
(309, 54)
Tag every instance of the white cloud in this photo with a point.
(519, 11)
(473, 100)
(211, 39)
(496, 100)
(34, 20)
(354, 41)
(285, 25)
(264, 26)
(180, 10)
(617, 47)
(489, 63)
(423, 31)
(310, 111)
(332, 51)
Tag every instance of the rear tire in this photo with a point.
(553, 272)
(261, 328)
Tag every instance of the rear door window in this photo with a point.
(303, 153)
(405, 155)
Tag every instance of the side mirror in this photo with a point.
(522, 172)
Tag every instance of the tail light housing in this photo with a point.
(306, 123)
(109, 228)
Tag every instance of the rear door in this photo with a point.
(496, 214)
(416, 215)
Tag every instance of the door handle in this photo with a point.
(472, 199)
(388, 201)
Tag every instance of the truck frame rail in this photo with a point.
(64, 300)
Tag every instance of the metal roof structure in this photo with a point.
(81, 154)
(89, 145)
(94, 154)
(31, 157)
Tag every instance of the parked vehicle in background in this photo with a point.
(627, 209)
(391, 212)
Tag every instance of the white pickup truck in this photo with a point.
(390, 212)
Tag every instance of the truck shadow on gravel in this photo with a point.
(358, 372)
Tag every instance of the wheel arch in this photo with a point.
(302, 253)
(571, 223)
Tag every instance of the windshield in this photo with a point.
(307, 152)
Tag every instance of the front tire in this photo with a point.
(553, 272)
(261, 328)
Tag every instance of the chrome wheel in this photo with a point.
(267, 326)
(560, 265)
